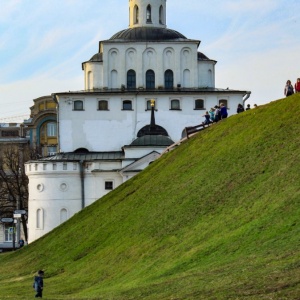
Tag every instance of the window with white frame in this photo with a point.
(199, 104)
(127, 105)
(51, 129)
(78, 105)
(8, 233)
(175, 104)
(102, 105)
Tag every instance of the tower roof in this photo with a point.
(147, 34)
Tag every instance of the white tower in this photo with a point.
(147, 13)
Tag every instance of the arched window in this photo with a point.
(39, 219)
(150, 79)
(131, 79)
(169, 79)
(102, 105)
(63, 215)
(127, 105)
(175, 104)
(148, 14)
(136, 14)
(161, 15)
(78, 105)
(199, 104)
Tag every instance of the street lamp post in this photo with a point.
(18, 219)
(14, 235)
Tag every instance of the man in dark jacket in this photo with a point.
(39, 284)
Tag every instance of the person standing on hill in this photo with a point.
(224, 113)
(212, 114)
(240, 108)
(288, 90)
(21, 242)
(38, 284)
(248, 107)
(217, 114)
(297, 86)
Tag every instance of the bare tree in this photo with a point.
(13, 181)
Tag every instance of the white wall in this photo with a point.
(159, 57)
(110, 130)
(53, 190)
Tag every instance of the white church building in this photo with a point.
(142, 88)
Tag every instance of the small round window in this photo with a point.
(40, 187)
(63, 186)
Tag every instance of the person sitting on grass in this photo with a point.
(207, 118)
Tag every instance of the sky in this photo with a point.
(256, 44)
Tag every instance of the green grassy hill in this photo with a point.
(216, 218)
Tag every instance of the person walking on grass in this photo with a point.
(297, 86)
(224, 113)
(217, 113)
(288, 90)
(38, 284)
(240, 108)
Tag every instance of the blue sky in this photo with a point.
(44, 42)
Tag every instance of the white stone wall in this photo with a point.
(118, 58)
(142, 5)
(206, 74)
(57, 193)
(110, 130)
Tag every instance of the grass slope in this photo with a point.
(217, 218)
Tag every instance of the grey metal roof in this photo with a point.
(97, 57)
(71, 156)
(147, 34)
(202, 56)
